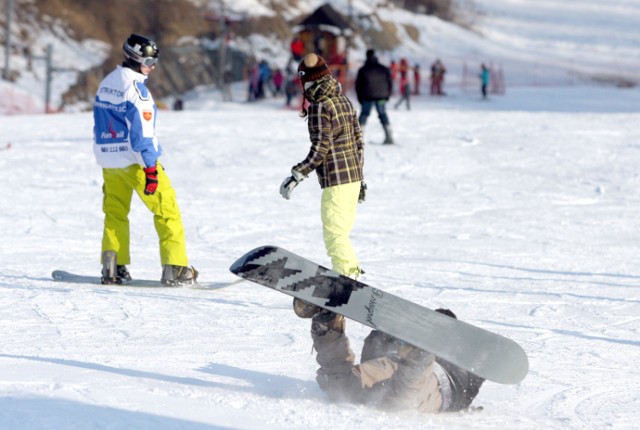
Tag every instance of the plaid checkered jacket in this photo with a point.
(337, 147)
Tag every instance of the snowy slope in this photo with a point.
(584, 38)
(520, 213)
(523, 220)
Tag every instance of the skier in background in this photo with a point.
(485, 77)
(416, 79)
(373, 88)
(291, 88)
(393, 68)
(392, 374)
(227, 81)
(437, 78)
(405, 87)
(254, 80)
(278, 80)
(297, 48)
(405, 92)
(403, 68)
(337, 156)
(126, 147)
(264, 79)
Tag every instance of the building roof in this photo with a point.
(324, 16)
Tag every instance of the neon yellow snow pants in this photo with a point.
(338, 211)
(118, 188)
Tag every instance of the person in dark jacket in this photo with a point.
(392, 374)
(373, 88)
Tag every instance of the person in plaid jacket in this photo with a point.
(337, 156)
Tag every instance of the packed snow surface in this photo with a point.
(520, 213)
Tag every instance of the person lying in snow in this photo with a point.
(392, 374)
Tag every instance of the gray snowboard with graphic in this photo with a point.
(479, 351)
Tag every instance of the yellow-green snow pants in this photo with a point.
(338, 211)
(118, 188)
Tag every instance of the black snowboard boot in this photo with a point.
(178, 275)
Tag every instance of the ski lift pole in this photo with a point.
(47, 87)
(7, 41)
(48, 74)
(222, 48)
(50, 70)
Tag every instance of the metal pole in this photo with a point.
(347, 48)
(47, 95)
(7, 41)
(223, 46)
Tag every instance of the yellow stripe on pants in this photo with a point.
(338, 211)
(118, 188)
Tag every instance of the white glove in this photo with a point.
(290, 183)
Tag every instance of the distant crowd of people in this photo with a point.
(405, 81)
(401, 72)
(266, 81)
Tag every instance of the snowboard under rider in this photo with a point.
(392, 375)
(337, 156)
(126, 147)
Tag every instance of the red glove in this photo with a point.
(152, 180)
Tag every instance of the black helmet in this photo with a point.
(141, 50)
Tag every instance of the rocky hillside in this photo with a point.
(188, 33)
(172, 23)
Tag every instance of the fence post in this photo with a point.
(7, 42)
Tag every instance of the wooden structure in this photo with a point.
(326, 32)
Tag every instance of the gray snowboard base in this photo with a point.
(481, 352)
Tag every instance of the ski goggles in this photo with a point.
(149, 61)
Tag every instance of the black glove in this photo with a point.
(363, 192)
(290, 183)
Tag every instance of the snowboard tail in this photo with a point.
(479, 351)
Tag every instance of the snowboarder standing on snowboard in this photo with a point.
(391, 375)
(337, 156)
(126, 147)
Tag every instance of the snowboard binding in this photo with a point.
(111, 272)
